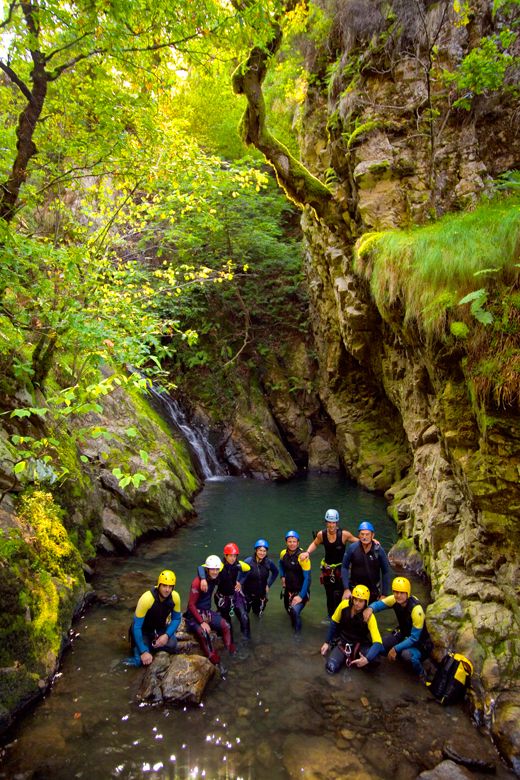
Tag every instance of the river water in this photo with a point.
(277, 715)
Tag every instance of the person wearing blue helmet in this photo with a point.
(365, 563)
(295, 574)
(257, 581)
(334, 540)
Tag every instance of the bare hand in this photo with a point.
(324, 648)
(238, 587)
(367, 612)
(161, 641)
(296, 600)
(205, 627)
(359, 662)
(146, 658)
(204, 586)
(392, 654)
(304, 555)
(347, 593)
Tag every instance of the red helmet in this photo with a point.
(231, 549)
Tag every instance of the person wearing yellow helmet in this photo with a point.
(410, 641)
(354, 641)
(156, 619)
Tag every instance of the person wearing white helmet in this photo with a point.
(201, 619)
(334, 540)
(156, 619)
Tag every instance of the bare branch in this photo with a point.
(49, 57)
(22, 86)
(6, 21)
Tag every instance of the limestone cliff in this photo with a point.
(386, 127)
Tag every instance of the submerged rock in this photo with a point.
(176, 679)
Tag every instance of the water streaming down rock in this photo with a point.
(203, 453)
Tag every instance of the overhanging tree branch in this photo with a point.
(300, 186)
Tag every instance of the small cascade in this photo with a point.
(203, 453)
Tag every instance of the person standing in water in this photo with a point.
(365, 563)
(296, 579)
(156, 619)
(334, 540)
(257, 581)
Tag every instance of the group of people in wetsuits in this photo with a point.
(356, 579)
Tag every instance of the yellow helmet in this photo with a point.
(167, 577)
(361, 592)
(402, 585)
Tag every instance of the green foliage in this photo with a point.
(484, 69)
(360, 129)
(427, 276)
(44, 527)
(414, 265)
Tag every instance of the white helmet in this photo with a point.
(212, 562)
(332, 516)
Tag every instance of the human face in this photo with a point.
(331, 527)
(365, 537)
(292, 543)
(165, 590)
(261, 552)
(231, 557)
(213, 573)
(358, 604)
(400, 596)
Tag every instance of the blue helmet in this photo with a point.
(366, 526)
(332, 516)
(293, 533)
(262, 543)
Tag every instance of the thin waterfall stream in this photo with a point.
(277, 715)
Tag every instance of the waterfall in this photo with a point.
(202, 451)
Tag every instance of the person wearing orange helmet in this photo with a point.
(156, 619)
(354, 641)
(410, 641)
(229, 597)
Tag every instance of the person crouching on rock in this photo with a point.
(410, 641)
(354, 641)
(156, 619)
(201, 619)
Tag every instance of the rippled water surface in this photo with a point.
(277, 715)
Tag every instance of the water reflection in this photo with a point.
(277, 715)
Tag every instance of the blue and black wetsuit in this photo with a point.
(297, 583)
(255, 582)
(153, 617)
(366, 568)
(411, 639)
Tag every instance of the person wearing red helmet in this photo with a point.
(229, 597)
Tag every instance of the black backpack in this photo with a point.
(452, 678)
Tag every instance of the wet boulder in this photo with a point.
(446, 770)
(176, 679)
